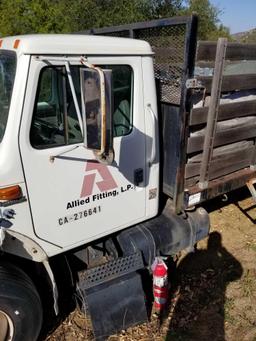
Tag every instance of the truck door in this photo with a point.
(73, 198)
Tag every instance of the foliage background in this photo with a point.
(64, 16)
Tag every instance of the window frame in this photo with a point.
(54, 93)
(13, 54)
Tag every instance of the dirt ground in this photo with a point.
(213, 294)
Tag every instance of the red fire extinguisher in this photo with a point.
(160, 284)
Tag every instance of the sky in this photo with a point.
(238, 15)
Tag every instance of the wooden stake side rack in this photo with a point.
(221, 145)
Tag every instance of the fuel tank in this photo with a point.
(166, 234)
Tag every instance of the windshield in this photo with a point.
(7, 74)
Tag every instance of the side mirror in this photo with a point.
(97, 111)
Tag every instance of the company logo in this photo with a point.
(106, 183)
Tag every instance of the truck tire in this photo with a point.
(20, 306)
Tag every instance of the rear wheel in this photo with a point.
(20, 306)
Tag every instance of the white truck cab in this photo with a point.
(68, 197)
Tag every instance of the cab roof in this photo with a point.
(75, 44)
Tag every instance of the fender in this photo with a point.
(19, 245)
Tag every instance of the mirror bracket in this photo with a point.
(105, 154)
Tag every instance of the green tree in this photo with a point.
(42, 16)
(37, 16)
(118, 12)
(164, 8)
(209, 23)
(63, 16)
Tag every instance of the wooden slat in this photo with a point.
(195, 143)
(220, 172)
(210, 63)
(231, 82)
(206, 51)
(213, 112)
(223, 164)
(226, 111)
(224, 184)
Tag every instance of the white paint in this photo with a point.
(79, 44)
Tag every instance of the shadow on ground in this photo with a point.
(202, 278)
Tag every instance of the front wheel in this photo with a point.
(20, 306)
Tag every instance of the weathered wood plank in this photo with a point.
(226, 111)
(224, 184)
(210, 63)
(222, 164)
(195, 143)
(206, 51)
(231, 82)
(217, 173)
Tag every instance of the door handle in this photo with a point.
(153, 135)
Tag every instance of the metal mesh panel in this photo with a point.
(168, 43)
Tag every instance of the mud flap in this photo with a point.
(114, 296)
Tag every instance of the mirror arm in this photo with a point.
(103, 110)
(79, 116)
(153, 132)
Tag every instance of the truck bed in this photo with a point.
(192, 172)
(234, 134)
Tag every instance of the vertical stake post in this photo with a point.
(212, 113)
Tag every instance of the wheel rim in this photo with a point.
(6, 327)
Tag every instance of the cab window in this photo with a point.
(55, 121)
(122, 92)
